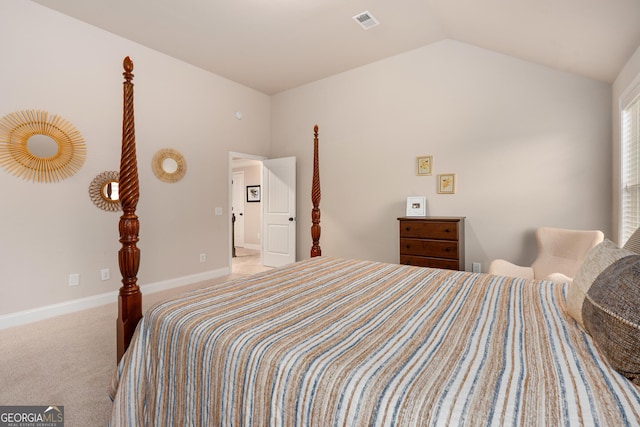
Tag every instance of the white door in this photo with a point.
(237, 207)
(279, 211)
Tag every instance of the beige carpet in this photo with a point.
(69, 360)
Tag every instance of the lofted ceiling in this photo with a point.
(275, 45)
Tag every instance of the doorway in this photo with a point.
(262, 200)
(246, 214)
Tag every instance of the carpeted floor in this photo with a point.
(69, 360)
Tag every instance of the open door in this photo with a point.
(279, 211)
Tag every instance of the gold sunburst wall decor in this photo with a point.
(40, 146)
(169, 165)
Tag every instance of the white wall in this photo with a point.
(628, 78)
(48, 231)
(529, 145)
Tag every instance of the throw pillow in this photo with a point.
(611, 314)
(599, 258)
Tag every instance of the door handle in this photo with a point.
(240, 214)
(291, 219)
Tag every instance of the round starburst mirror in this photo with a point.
(169, 165)
(40, 146)
(104, 191)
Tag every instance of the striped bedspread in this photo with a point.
(336, 342)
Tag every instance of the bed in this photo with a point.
(328, 341)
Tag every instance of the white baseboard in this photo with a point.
(254, 246)
(48, 311)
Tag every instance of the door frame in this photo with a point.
(235, 155)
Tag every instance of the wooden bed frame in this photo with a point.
(392, 385)
(130, 297)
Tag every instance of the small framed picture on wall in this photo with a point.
(424, 165)
(416, 206)
(253, 193)
(447, 183)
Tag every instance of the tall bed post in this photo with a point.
(129, 298)
(315, 199)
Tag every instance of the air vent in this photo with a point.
(366, 20)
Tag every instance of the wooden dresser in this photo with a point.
(431, 241)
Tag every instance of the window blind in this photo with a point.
(630, 149)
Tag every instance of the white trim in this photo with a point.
(629, 96)
(66, 307)
(254, 246)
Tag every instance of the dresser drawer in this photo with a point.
(429, 230)
(418, 261)
(429, 248)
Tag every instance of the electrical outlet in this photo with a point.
(476, 267)
(203, 257)
(74, 279)
(105, 274)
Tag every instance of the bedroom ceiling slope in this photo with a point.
(275, 45)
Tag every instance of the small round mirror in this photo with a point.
(110, 191)
(169, 165)
(104, 191)
(42, 146)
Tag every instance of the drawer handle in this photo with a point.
(446, 230)
(407, 228)
(447, 249)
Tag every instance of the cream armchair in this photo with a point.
(560, 253)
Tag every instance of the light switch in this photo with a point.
(218, 211)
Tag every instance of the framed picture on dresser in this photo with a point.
(416, 206)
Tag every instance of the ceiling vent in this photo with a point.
(366, 20)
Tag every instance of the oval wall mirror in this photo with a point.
(40, 146)
(104, 191)
(169, 165)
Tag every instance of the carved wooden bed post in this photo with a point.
(315, 198)
(130, 298)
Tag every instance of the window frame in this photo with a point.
(629, 201)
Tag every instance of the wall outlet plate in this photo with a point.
(203, 257)
(74, 279)
(105, 274)
(476, 267)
